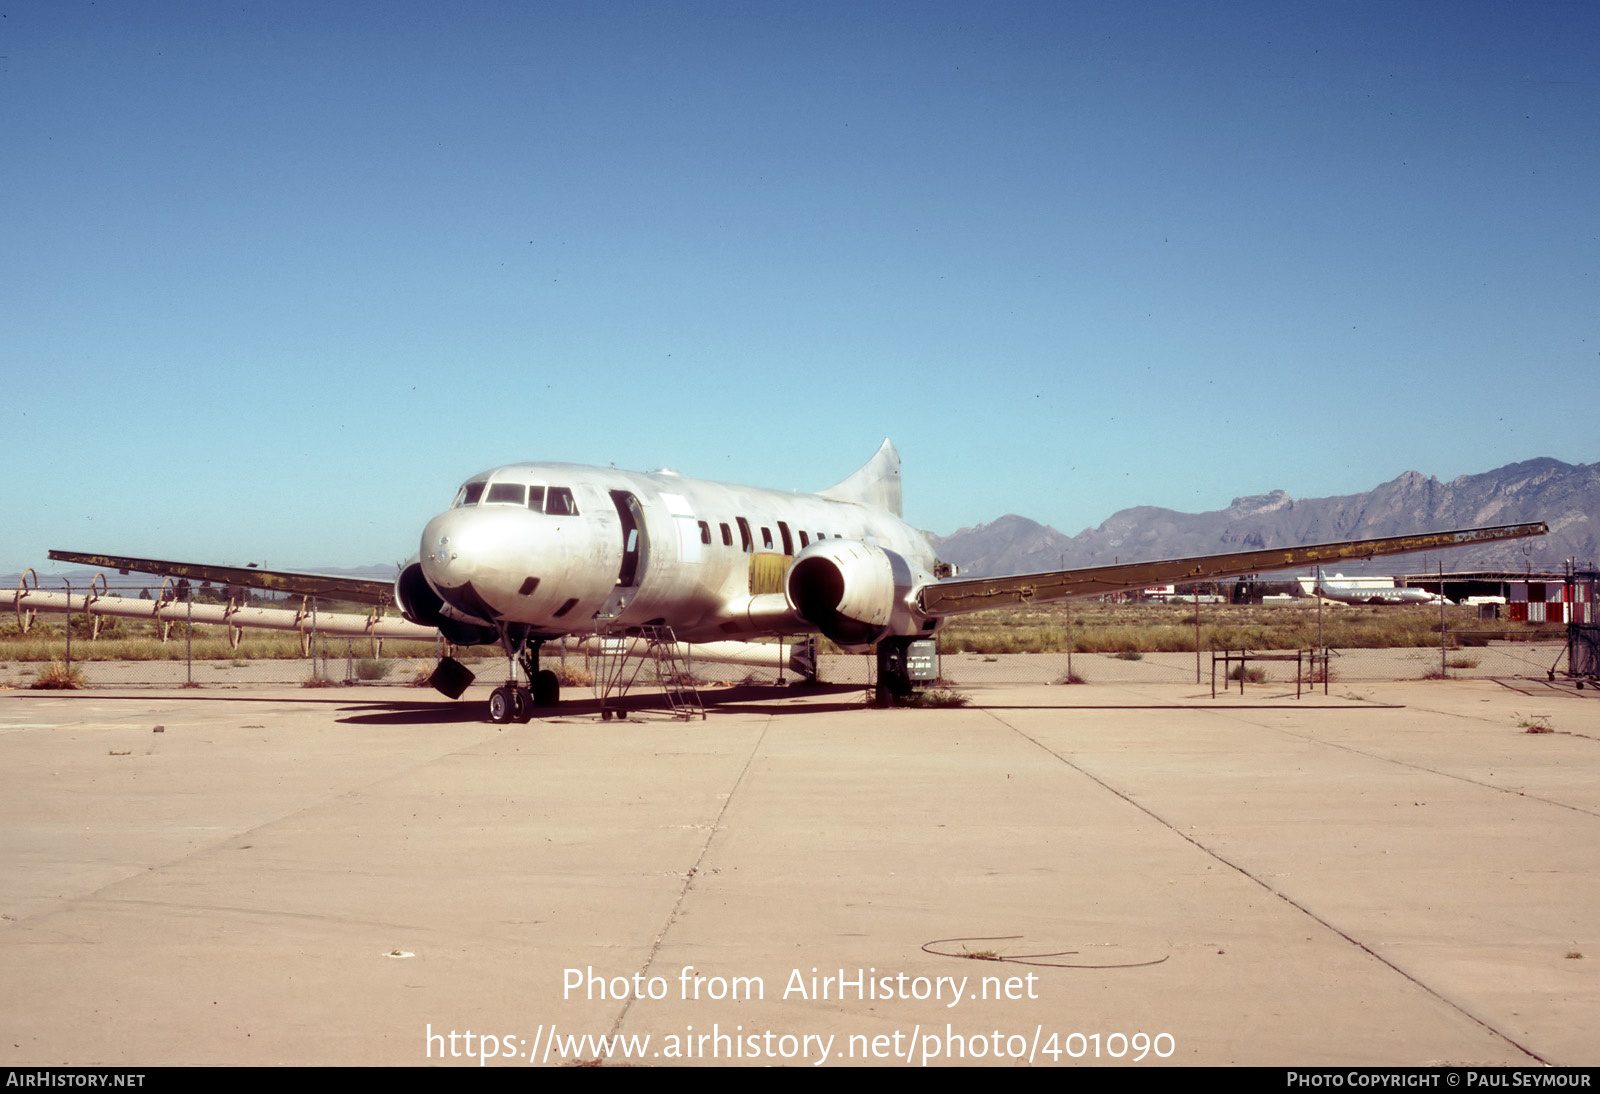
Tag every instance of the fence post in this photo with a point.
(1321, 645)
(1069, 641)
(188, 637)
(1444, 659)
(68, 584)
(1197, 635)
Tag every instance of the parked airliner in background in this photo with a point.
(1346, 592)
(530, 552)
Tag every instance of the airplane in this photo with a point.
(530, 552)
(1344, 592)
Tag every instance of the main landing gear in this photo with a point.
(894, 670)
(511, 702)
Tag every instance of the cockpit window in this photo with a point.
(507, 493)
(470, 494)
(536, 498)
(559, 502)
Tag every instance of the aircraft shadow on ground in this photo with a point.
(740, 699)
(769, 699)
(414, 714)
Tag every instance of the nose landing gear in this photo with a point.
(511, 702)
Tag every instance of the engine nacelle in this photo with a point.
(420, 604)
(846, 589)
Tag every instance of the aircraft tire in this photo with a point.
(521, 704)
(501, 706)
(546, 689)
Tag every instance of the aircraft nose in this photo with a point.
(468, 556)
(442, 540)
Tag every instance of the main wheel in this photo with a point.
(521, 704)
(501, 706)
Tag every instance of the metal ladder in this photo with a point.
(613, 677)
(674, 674)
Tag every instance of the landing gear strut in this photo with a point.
(904, 665)
(512, 702)
(894, 670)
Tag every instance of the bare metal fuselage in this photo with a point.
(708, 559)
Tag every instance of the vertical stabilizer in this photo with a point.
(877, 484)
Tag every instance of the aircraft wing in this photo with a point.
(957, 595)
(358, 589)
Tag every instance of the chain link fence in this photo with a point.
(161, 648)
(1495, 659)
(126, 652)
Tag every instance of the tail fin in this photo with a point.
(876, 484)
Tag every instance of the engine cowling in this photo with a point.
(844, 588)
(420, 604)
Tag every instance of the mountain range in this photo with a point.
(1566, 496)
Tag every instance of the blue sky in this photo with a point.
(276, 277)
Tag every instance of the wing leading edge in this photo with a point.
(361, 590)
(959, 595)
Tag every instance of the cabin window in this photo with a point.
(567, 607)
(559, 502)
(705, 532)
(805, 540)
(507, 493)
(536, 498)
(470, 493)
(745, 542)
(766, 538)
(788, 544)
(727, 534)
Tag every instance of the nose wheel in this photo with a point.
(509, 703)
